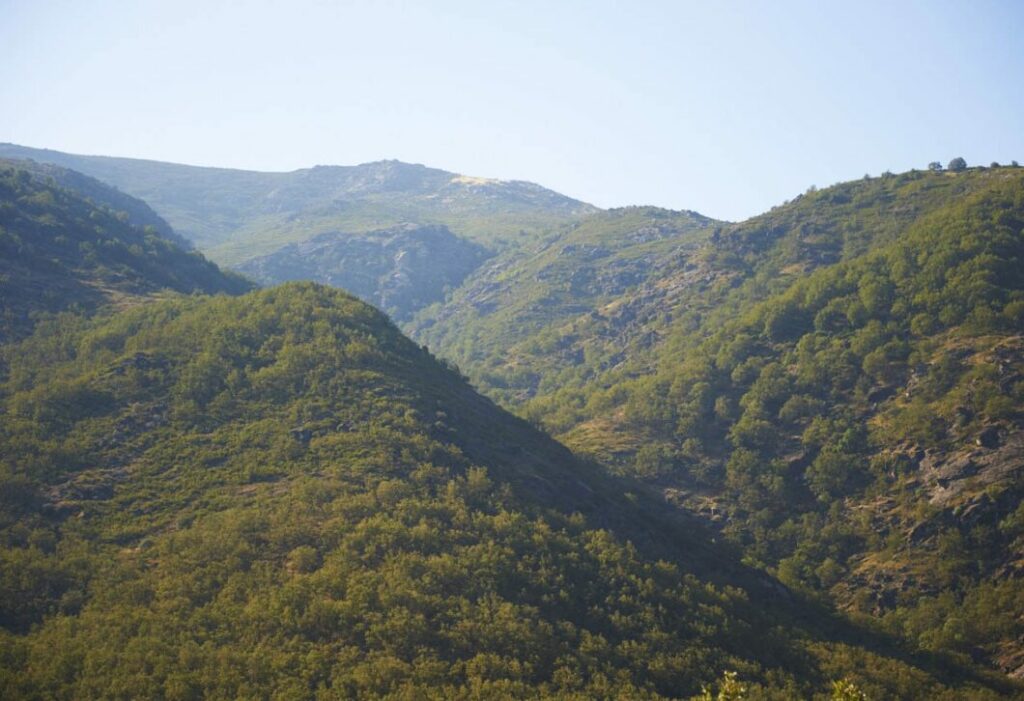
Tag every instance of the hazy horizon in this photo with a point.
(726, 110)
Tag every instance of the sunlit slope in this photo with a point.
(278, 495)
(837, 386)
(532, 320)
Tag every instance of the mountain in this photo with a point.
(60, 252)
(140, 214)
(280, 496)
(836, 386)
(524, 322)
(400, 270)
(235, 215)
(816, 410)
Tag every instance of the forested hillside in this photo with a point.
(235, 215)
(471, 351)
(139, 213)
(280, 496)
(531, 319)
(61, 252)
(836, 385)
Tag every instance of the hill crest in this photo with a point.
(233, 215)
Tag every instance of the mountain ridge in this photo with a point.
(139, 213)
(232, 215)
(62, 252)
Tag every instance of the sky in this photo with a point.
(727, 108)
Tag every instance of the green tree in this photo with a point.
(729, 689)
(845, 690)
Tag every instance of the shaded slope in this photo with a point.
(400, 270)
(60, 252)
(139, 214)
(235, 215)
(279, 495)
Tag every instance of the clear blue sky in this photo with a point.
(723, 107)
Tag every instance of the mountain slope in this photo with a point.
(836, 385)
(278, 495)
(139, 214)
(400, 270)
(528, 320)
(235, 215)
(60, 252)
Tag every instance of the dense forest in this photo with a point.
(62, 252)
(835, 384)
(139, 213)
(279, 496)
(788, 457)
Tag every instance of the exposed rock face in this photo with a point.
(400, 269)
(950, 477)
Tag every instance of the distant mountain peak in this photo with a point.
(237, 215)
(472, 180)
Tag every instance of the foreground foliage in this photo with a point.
(279, 496)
